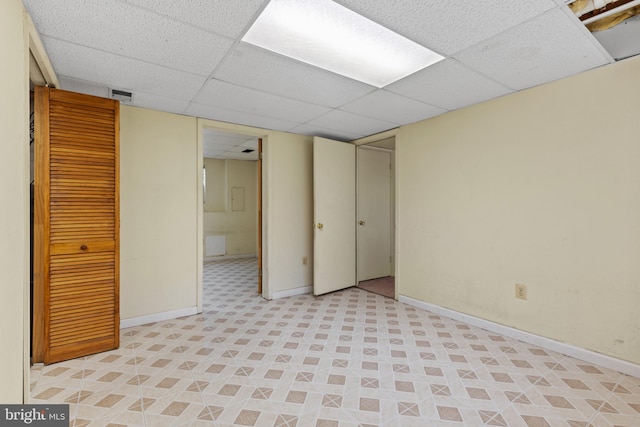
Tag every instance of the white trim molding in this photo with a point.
(293, 292)
(157, 317)
(547, 343)
(37, 50)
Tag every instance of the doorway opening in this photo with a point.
(354, 213)
(375, 171)
(231, 214)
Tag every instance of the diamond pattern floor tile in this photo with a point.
(350, 358)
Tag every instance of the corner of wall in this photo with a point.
(14, 209)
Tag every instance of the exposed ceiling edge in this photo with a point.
(614, 24)
(593, 13)
(39, 54)
(611, 21)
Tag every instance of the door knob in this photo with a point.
(320, 226)
(361, 222)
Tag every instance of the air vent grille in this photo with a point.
(121, 95)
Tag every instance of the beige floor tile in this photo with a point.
(350, 358)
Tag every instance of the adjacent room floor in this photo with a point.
(385, 286)
(351, 358)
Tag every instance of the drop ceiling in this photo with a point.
(187, 57)
(226, 145)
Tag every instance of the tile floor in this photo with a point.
(351, 358)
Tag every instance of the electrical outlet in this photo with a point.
(304, 260)
(521, 291)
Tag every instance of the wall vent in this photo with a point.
(121, 95)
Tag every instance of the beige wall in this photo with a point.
(540, 188)
(289, 207)
(239, 227)
(14, 208)
(159, 178)
(216, 185)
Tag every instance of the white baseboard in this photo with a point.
(293, 292)
(567, 349)
(225, 257)
(157, 317)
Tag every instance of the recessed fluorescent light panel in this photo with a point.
(330, 36)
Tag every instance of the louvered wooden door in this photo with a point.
(76, 225)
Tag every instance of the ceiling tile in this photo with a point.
(227, 139)
(238, 117)
(226, 17)
(351, 123)
(231, 97)
(164, 52)
(140, 99)
(253, 143)
(162, 103)
(215, 145)
(211, 154)
(449, 26)
(241, 156)
(239, 149)
(258, 69)
(237, 154)
(544, 49)
(119, 72)
(83, 86)
(311, 130)
(225, 145)
(112, 26)
(450, 85)
(384, 105)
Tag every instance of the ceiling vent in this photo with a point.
(121, 95)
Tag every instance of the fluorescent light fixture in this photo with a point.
(330, 36)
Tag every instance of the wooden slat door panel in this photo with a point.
(76, 275)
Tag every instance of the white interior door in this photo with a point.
(374, 213)
(334, 186)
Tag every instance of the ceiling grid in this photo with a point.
(188, 57)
